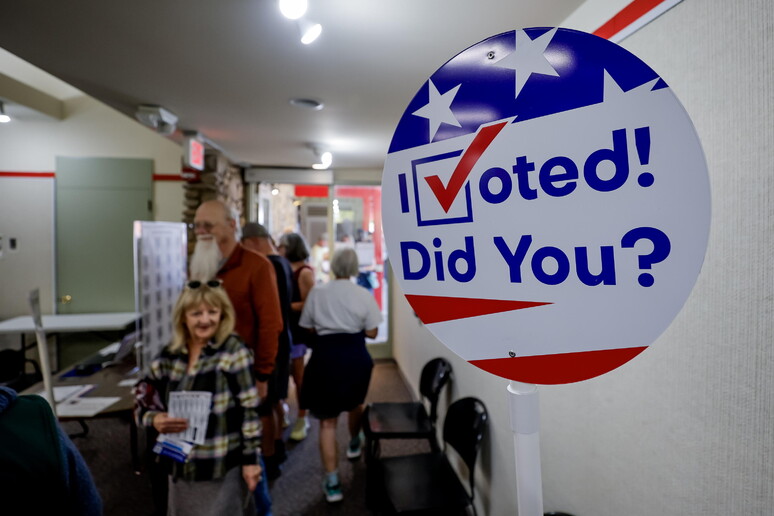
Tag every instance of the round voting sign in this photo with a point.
(546, 205)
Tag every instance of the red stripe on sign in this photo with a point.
(433, 309)
(27, 174)
(626, 17)
(559, 368)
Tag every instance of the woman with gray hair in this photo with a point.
(341, 314)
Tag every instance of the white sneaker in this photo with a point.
(300, 429)
(332, 492)
(285, 415)
(355, 448)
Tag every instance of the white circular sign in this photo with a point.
(546, 205)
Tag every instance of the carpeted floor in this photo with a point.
(296, 492)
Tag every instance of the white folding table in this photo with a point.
(69, 323)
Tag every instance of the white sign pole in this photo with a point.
(525, 424)
(40, 335)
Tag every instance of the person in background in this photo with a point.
(320, 257)
(341, 314)
(41, 471)
(249, 281)
(256, 238)
(293, 247)
(204, 355)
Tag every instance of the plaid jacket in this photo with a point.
(233, 431)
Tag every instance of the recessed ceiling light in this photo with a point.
(312, 104)
(292, 9)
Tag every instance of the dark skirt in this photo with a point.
(337, 375)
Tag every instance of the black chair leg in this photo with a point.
(374, 493)
(84, 430)
(133, 446)
(372, 449)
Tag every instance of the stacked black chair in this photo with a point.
(407, 420)
(13, 370)
(426, 483)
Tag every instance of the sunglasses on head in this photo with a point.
(213, 283)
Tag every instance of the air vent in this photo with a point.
(314, 105)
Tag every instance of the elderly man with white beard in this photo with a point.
(249, 281)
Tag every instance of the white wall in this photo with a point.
(168, 197)
(89, 129)
(592, 14)
(26, 214)
(687, 428)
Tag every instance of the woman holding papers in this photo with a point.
(209, 432)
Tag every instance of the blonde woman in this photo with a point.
(205, 355)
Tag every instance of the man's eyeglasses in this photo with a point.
(207, 226)
(213, 283)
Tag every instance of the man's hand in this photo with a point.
(252, 475)
(169, 425)
(263, 389)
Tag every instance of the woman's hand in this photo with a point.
(252, 475)
(169, 425)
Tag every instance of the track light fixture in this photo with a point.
(326, 158)
(310, 31)
(4, 119)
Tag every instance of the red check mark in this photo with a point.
(447, 194)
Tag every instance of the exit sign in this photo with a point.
(194, 153)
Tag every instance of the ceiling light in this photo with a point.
(325, 161)
(292, 9)
(4, 119)
(309, 31)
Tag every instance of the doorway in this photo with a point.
(97, 201)
(332, 216)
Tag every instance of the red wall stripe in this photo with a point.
(156, 177)
(27, 174)
(625, 17)
(167, 177)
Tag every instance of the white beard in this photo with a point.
(205, 260)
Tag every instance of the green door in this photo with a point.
(97, 200)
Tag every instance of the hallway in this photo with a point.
(297, 492)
